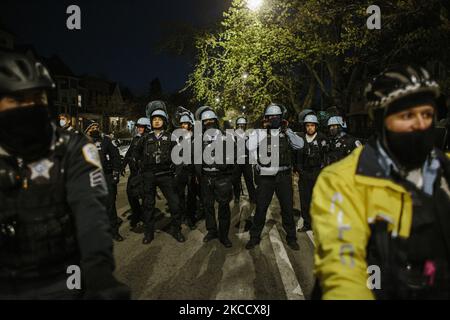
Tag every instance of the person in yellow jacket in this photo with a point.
(381, 216)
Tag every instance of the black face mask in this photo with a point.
(26, 132)
(334, 132)
(211, 125)
(95, 134)
(275, 123)
(411, 149)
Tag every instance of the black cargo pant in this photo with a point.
(188, 202)
(134, 194)
(247, 171)
(306, 182)
(111, 202)
(166, 183)
(281, 185)
(217, 188)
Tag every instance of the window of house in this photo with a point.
(73, 83)
(63, 83)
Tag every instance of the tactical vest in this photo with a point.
(216, 167)
(244, 158)
(340, 147)
(158, 153)
(134, 168)
(37, 229)
(313, 153)
(284, 151)
(186, 168)
(417, 267)
(105, 158)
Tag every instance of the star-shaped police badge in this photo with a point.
(41, 169)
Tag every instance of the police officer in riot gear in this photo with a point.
(301, 118)
(186, 179)
(216, 178)
(340, 143)
(52, 196)
(243, 167)
(387, 205)
(310, 160)
(274, 179)
(135, 181)
(111, 163)
(153, 152)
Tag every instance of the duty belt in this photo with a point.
(211, 170)
(163, 173)
(274, 170)
(215, 172)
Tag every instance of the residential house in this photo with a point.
(104, 103)
(68, 97)
(116, 113)
(95, 100)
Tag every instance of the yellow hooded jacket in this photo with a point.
(348, 196)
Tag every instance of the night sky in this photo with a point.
(119, 39)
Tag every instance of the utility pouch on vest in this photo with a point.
(7, 233)
(9, 177)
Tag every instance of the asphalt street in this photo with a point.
(169, 270)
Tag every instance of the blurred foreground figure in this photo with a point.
(384, 211)
(52, 198)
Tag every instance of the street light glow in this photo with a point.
(254, 5)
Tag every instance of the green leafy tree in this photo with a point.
(297, 51)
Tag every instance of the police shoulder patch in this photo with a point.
(90, 154)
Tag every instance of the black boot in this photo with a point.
(179, 236)
(252, 244)
(148, 238)
(226, 242)
(210, 236)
